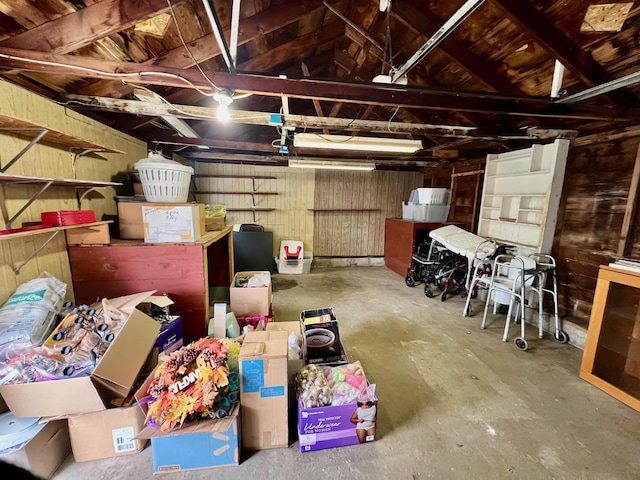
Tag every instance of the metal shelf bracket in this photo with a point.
(16, 270)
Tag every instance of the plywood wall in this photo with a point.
(594, 197)
(353, 233)
(54, 161)
(291, 218)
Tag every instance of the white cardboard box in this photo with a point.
(173, 223)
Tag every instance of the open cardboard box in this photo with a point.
(196, 445)
(112, 378)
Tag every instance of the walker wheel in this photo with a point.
(561, 337)
(409, 281)
(427, 291)
(521, 343)
(467, 311)
(443, 297)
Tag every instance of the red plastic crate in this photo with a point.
(68, 217)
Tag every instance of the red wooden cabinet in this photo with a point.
(185, 272)
(401, 237)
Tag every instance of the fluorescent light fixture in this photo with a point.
(346, 142)
(331, 165)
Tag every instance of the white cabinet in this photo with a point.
(521, 195)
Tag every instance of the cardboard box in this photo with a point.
(321, 337)
(293, 366)
(263, 390)
(204, 444)
(246, 302)
(173, 223)
(130, 219)
(331, 427)
(105, 434)
(137, 189)
(216, 223)
(94, 235)
(44, 454)
(112, 378)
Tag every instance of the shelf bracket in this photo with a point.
(84, 195)
(16, 270)
(24, 150)
(29, 202)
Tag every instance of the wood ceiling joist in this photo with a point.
(293, 49)
(559, 45)
(206, 47)
(71, 32)
(407, 97)
(424, 21)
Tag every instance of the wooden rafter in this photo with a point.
(559, 45)
(71, 32)
(423, 22)
(206, 47)
(403, 97)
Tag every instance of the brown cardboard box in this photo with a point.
(109, 433)
(217, 223)
(293, 366)
(137, 189)
(244, 302)
(45, 452)
(130, 219)
(112, 378)
(173, 223)
(263, 390)
(94, 235)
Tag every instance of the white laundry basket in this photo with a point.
(164, 180)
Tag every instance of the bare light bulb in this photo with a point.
(223, 113)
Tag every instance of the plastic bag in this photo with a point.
(30, 313)
(214, 211)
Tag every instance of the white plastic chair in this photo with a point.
(512, 280)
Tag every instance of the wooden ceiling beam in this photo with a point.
(378, 94)
(265, 62)
(424, 23)
(248, 117)
(206, 47)
(544, 32)
(70, 32)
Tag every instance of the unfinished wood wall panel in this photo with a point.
(51, 161)
(290, 219)
(596, 186)
(353, 233)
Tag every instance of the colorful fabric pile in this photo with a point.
(195, 382)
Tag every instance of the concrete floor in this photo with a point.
(455, 402)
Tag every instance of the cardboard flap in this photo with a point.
(252, 349)
(131, 348)
(129, 302)
(161, 301)
(215, 425)
(73, 395)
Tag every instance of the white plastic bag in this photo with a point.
(30, 313)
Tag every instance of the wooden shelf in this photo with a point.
(24, 128)
(344, 209)
(57, 182)
(30, 233)
(210, 192)
(514, 222)
(250, 177)
(522, 174)
(250, 209)
(536, 195)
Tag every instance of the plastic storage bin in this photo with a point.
(68, 217)
(434, 196)
(430, 213)
(407, 210)
(308, 259)
(164, 180)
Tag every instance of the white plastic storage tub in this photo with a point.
(434, 196)
(430, 213)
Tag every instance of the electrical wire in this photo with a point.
(184, 44)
